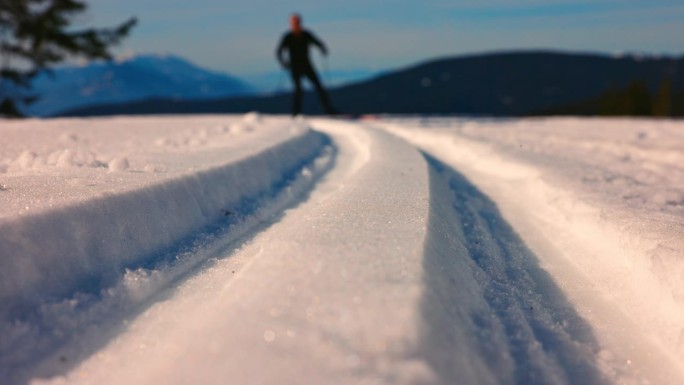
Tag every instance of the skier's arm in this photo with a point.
(318, 43)
(279, 53)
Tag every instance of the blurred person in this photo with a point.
(296, 43)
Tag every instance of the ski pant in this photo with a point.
(309, 72)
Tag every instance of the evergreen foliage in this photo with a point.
(662, 104)
(35, 35)
(634, 100)
(637, 100)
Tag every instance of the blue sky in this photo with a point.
(239, 37)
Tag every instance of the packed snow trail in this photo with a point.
(397, 267)
(321, 296)
(444, 292)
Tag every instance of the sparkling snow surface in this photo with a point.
(258, 249)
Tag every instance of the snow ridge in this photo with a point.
(63, 267)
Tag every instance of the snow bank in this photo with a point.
(85, 243)
(52, 253)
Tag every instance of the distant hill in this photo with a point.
(138, 78)
(501, 84)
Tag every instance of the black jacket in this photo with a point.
(297, 47)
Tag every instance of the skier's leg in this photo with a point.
(322, 94)
(297, 97)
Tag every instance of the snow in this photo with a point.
(586, 196)
(265, 249)
(71, 228)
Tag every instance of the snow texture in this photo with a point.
(62, 245)
(587, 196)
(252, 249)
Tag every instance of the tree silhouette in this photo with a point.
(635, 100)
(662, 105)
(35, 35)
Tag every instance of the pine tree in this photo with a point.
(35, 35)
(635, 100)
(662, 105)
(638, 100)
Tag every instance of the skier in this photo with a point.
(296, 42)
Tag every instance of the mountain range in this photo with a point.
(497, 84)
(134, 79)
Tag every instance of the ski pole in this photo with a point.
(279, 84)
(326, 71)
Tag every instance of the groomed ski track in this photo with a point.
(305, 289)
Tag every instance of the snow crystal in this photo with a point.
(119, 165)
(252, 118)
(241, 128)
(25, 160)
(269, 336)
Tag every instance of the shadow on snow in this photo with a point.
(491, 314)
